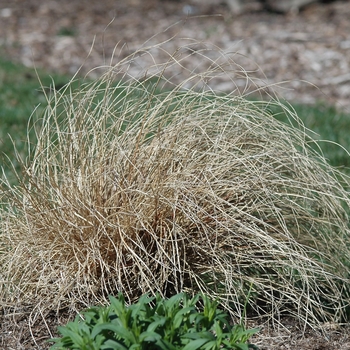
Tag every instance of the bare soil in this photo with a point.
(309, 51)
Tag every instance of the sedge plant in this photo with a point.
(137, 186)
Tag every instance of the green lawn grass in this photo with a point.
(330, 128)
(22, 101)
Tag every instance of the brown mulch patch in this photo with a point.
(310, 51)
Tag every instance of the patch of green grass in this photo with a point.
(22, 101)
(19, 94)
(329, 127)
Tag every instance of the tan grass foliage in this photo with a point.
(136, 190)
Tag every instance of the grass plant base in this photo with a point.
(135, 188)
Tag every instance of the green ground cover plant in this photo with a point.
(155, 323)
(135, 188)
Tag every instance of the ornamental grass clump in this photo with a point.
(136, 186)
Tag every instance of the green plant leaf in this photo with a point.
(195, 344)
(118, 305)
(174, 302)
(126, 334)
(159, 322)
(61, 343)
(251, 331)
(200, 335)
(149, 337)
(103, 327)
(165, 345)
(76, 339)
(180, 316)
(99, 340)
(113, 345)
(242, 346)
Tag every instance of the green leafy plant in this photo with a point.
(155, 323)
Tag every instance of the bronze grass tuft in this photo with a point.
(135, 190)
